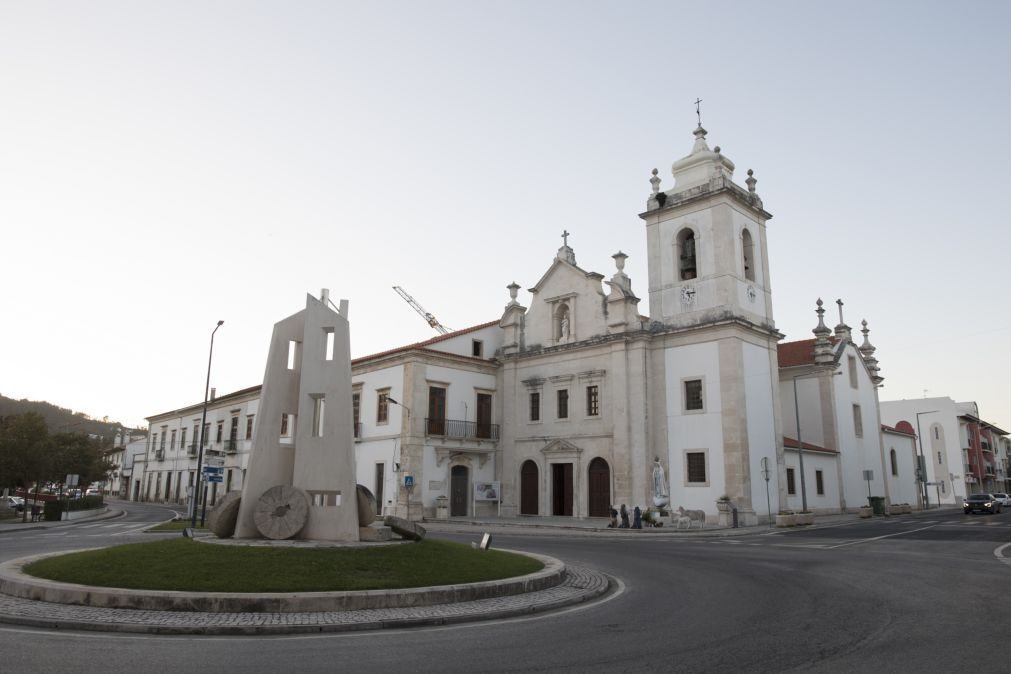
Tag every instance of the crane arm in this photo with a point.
(428, 316)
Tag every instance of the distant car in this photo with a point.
(986, 503)
(1005, 499)
(15, 503)
(93, 491)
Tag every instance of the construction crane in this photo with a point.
(429, 318)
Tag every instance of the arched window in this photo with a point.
(749, 255)
(686, 255)
(895, 463)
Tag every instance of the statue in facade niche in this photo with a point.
(661, 496)
(565, 327)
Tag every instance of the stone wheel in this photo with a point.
(221, 520)
(366, 506)
(281, 512)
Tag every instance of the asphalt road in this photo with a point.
(907, 594)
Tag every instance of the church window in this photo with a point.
(858, 422)
(853, 371)
(791, 483)
(749, 255)
(535, 406)
(563, 403)
(686, 255)
(693, 395)
(895, 462)
(592, 401)
(383, 406)
(476, 348)
(356, 412)
(937, 433)
(940, 460)
(695, 467)
(249, 427)
(819, 482)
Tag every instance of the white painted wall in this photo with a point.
(391, 378)
(942, 411)
(813, 462)
(902, 488)
(694, 431)
(762, 440)
(462, 345)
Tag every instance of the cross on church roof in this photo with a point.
(565, 237)
(697, 113)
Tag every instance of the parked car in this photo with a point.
(986, 503)
(15, 503)
(93, 491)
(1005, 499)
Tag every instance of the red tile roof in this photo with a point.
(792, 354)
(424, 344)
(903, 427)
(792, 443)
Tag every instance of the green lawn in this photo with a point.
(185, 564)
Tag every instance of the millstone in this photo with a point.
(281, 512)
(221, 520)
(366, 506)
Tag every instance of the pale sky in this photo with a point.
(164, 165)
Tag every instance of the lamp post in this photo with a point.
(203, 429)
(924, 494)
(407, 488)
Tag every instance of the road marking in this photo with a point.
(90, 526)
(132, 530)
(999, 554)
(877, 538)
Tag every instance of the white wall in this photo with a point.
(694, 430)
(902, 488)
(762, 440)
(813, 462)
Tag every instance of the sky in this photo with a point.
(165, 165)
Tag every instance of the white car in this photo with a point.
(15, 503)
(1005, 499)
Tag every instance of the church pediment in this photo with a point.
(561, 449)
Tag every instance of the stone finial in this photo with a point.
(867, 351)
(620, 279)
(513, 290)
(619, 260)
(751, 181)
(655, 181)
(700, 140)
(822, 345)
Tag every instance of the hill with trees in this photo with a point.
(62, 420)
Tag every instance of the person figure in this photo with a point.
(624, 517)
(637, 518)
(613, 524)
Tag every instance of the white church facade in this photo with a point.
(577, 402)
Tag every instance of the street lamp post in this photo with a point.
(924, 494)
(203, 429)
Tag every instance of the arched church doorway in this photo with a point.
(529, 488)
(459, 481)
(600, 488)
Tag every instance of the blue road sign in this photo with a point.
(213, 470)
(408, 481)
(215, 478)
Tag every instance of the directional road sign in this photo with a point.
(215, 478)
(213, 470)
(214, 461)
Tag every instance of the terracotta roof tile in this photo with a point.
(792, 443)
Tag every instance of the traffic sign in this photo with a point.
(215, 478)
(214, 461)
(213, 470)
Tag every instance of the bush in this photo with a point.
(86, 503)
(52, 510)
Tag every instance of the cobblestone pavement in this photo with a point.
(580, 585)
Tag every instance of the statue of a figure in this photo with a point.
(565, 327)
(661, 496)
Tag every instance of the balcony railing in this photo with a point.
(454, 428)
(231, 445)
(159, 455)
(191, 450)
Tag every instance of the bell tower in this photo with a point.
(715, 342)
(708, 256)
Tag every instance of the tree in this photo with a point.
(78, 454)
(24, 450)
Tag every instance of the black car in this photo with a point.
(986, 503)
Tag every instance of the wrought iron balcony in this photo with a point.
(191, 450)
(463, 430)
(231, 445)
(159, 455)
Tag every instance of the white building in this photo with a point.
(577, 402)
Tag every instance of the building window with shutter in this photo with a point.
(696, 471)
(791, 483)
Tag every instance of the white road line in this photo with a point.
(91, 526)
(877, 538)
(999, 554)
(132, 530)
